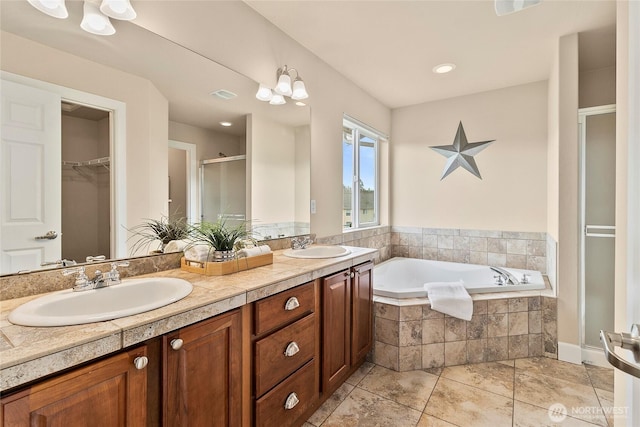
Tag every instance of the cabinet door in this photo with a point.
(336, 334)
(362, 315)
(111, 392)
(203, 373)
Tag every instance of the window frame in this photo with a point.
(359, 129)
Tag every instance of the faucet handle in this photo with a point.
(82, 281)
(114, 274)
(115, 265)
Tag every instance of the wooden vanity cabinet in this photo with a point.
(202, 373)
(286, 365)
(110, 392)
(347, 334)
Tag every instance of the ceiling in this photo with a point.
(389, 48)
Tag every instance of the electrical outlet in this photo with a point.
(313, 206)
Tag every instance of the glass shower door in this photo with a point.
(598, 204)
(223, 190)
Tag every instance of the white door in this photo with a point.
(30, 175)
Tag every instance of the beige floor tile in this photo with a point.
(364, 409)
(601, 378)
(535, 366)
(358, 375)
(429, 421)
(410, 388)
(323, 412)
(544, 391)
(525, 415)
(606, 401)
(494, 377)
(468, 406)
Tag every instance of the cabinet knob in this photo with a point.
(292, 401)
(176, 344)
(141, 362)
(353, 274)
(291, 349)
(291, 304)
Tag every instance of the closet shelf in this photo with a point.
(102, 161)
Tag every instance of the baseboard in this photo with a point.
(569, 353)
(595, 356)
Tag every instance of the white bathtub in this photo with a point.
(406, 277)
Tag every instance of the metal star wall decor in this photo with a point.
(461, 153)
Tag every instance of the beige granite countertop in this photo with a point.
(29, 353)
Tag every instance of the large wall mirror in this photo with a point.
(180, 106)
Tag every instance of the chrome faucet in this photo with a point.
(100, 280)
(504, 277)
(301, 242)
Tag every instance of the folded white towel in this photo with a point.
(176, 246)
(450, 298)
(258, 250)
(198, 253)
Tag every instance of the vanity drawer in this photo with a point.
(284, 307)
(302, 386)
(272, 365)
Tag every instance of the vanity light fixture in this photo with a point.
(55, 8)
(444, 68)
(118, 9)
(94, 22)
(284, 87)
(95, 19)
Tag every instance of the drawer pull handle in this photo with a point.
(292, 349)
(291, 304)
(140, 362)
(292, 401)
(176, 344)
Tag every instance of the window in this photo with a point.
(359, 171)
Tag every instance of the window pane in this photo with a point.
(367, 179)
(347, 177)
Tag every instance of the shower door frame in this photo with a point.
(205, 162)
(591, 354)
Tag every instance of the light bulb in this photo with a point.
(299, 91)
(95, 22)
(118, 9)
(277, 99)
(55, 8)
(264, 93)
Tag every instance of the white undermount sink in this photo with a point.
(132, 296)
(318, 252)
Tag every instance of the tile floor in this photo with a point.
(515, 393)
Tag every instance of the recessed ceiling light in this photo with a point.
(300, 104)
(443, 68)
(226, 124)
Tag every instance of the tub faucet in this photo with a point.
(301, 242)
(504, 277)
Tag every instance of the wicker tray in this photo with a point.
(226, 267)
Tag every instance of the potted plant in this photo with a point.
(221, 239)
(163, 230)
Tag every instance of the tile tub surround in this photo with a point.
(526, 250)
(28, 353)
(415, 337)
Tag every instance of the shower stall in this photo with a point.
(597, 132)
(223, 190)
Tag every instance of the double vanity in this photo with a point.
(262, 347)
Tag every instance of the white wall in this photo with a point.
(512, 194)
(272, 158)
(303, 173)
(597, 87)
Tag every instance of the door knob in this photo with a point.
(49, 236)
(628, 341)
